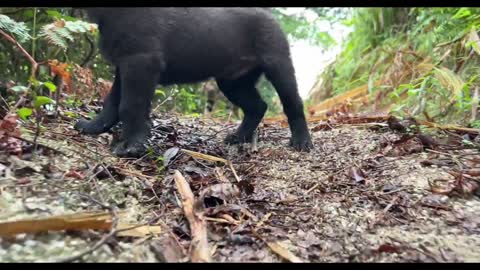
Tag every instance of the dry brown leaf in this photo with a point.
(224, 191)
(357, 174)
(138, 231)
(263, 220)
(278, 248)
(167, 249)
(283, 252)
(388, 248)
(59, 23)
(441, 186)
(220, 175)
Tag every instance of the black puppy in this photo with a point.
(151, 46)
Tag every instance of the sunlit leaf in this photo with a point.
(24, 113)
(52, 87)
(42, 100)
(19, 88)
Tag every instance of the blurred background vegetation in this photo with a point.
(421, 62)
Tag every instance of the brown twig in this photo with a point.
(199, 250)
(234, 172)
(22, 50)
(312, 188)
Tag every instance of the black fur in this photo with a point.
(187, 45)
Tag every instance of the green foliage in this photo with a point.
(388, 43)
(24, 113)
(17, 29)
(72, 38)
(61, 32)
(476, 124)
(180, 98)
(42, 100)
(52, 87)
(269, 95)
(19, 88)
(297, 27)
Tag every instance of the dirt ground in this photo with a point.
(360, 196)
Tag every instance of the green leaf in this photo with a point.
(19, 29)
(42, 100)
(34, 82)
(24, 113)
(70, 114)
(19, 88)
(461, 13)
(474, 40)
(54, 14)
(52, 87)
(159, 92)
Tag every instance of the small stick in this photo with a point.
(234, 172)
(204, 156)
(312, 188)
(199, 250)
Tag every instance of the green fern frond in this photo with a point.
(60, 32)
(79, 26)
(18, 29)
(50, 33)
(65, 33)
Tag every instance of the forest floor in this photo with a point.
(365, 193)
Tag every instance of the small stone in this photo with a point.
(30, 243)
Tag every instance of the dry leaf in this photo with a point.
(75, 174)
(224, 191)
(169, 155)
(220, 175)
(441, 186)
(283, 252)
(357, 174)
(167, 249)
(59, 23)
(388, 248)
(138, 231)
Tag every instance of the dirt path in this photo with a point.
(357, 197)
